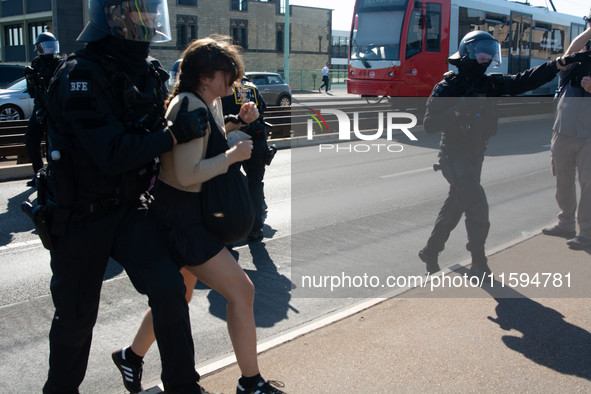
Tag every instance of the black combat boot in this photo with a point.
(430, 259)
(480, 268)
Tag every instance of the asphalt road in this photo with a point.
(330, 212)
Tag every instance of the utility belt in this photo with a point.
(51, 220)
(456, 169)
(82, 209)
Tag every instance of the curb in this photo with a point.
(16, 172)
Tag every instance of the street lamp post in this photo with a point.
(286, 44)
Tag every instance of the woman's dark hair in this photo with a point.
(203, 58)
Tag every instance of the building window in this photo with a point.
(239, 32)
(340, 47)
(279, 36)
(186, 30)
(187, 2)
(239, 5)
(14, 35)
(36, 29)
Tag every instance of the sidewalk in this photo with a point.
(337, 92)
(469, 340)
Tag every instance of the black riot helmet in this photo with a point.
(477, 50)
(47, 44)
(133, 20)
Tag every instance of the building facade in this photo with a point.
(258, 26)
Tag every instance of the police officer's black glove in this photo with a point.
(189, 125)
(234, 119)
(28, 71)
(578, 57)
(466, 104)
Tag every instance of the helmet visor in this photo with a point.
(47, 48)
(139, 20)
(485, 51)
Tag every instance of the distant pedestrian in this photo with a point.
(571, 148)
(325, 72)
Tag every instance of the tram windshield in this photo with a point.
(377, 35)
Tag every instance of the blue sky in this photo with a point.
(343, 9)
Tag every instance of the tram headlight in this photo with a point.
(391, 74)
(352, 72)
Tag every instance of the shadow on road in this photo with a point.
(272, 290)
(14, 220)
(547, 339)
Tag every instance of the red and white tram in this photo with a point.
(399, 48)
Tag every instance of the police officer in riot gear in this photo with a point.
(105, 127)
(174, 74)
(255, 166)
(461, 107)
(38, 76)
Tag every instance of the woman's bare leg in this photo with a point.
(223, 274)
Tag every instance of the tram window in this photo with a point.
(559, 41)
(495, 24)
(433, 43)
(541, 41)
(414, 40)
(377, 36)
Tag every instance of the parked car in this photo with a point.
(272, 87)
(15, 102)
(10, 73)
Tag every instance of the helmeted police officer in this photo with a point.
(255, 166)
(38, 76)
(105, 127)
(174, 73)
(460, 107)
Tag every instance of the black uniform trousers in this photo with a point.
(33, 138)
(324, 83)
(131, 237)
(255, 172)
(465, 197)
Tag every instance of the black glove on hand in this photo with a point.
(28, 71)
(189, 125)
(467, 104)
(234, 119)
(578, 57)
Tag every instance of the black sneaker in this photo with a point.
(579, 243)
(558, 232)
(262, 387)
(132, 374)
(32, 182)
(430, 259)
